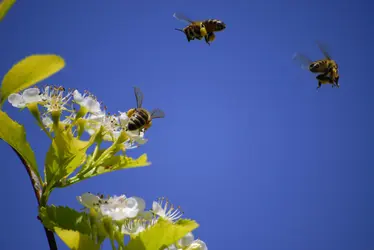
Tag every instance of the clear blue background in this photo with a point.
(249, 148)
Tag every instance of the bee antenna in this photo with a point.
(180, 30)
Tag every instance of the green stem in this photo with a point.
(90, 163)
(80, 175)
(112, 243)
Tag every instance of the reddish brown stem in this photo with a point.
(36, 185)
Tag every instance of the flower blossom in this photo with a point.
(186, 240)
(113, 126)
(54, 99)
(89, 118)
(197, 245)
(28, 96)
(116, 207)
(168, 212)
(87, 101)
(110, 124)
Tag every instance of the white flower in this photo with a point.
(197, 245)
(170, 213)
(123, 118)
(134, 205)
(110, 124)
(48, 123)
(88, 200)
(171, 247)
(135, 140)
(28, 96)
(123, 208)
(88, 102)
(186, 240)
(54, 99)
(137, 136)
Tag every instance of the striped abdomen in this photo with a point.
(138, 119)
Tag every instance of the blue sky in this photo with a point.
(248, 147)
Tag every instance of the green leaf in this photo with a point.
(76, 240)
(14, 134)
(119, 162)
(161, 235)
(65, 218)
(28, 72)
(64, 156)
(5, 6)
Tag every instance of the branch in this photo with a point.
(37, 187)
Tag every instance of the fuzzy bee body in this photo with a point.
(327, 69)
(322, 66)
(194, 31)
(140, 118)
(201, 29)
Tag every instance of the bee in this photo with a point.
(200, 29)
(327, 68)
(140, 118)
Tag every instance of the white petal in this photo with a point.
(130, 212)
(123, 118)
(16, 100)
(198, 245)
(132, 208)
(118, 215)
(77, 96)
(186, 240)
(140, 203)
(97, 117)
(46, 90)
(157, 209)
(31, 95)
(88, 200)
(47, 121)
(118, 200)
(91, 104)
(141, 141)
(171, 247)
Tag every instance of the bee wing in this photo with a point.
(302, 60)
(157, 113)
(139, 97)
(183, 18)
(324, 50)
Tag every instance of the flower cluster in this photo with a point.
(89, 116)
(188, 243)
(129, 216)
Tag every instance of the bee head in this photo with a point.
(221, 26)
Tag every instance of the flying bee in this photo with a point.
(140, 118)
(200, 29)
(327, 68)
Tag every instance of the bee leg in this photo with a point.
(319, 85)
(206, 40)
